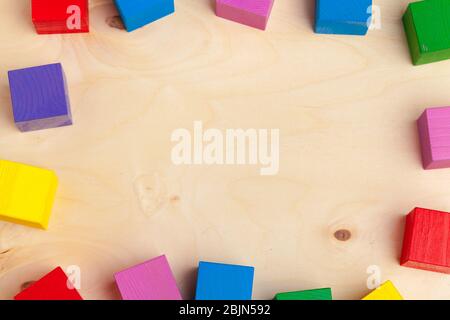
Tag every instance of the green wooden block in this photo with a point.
(315, 294)
(427, 27)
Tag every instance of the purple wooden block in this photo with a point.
(151, 280)
(40, 98)
(434, 133)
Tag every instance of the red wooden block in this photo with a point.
(53, 286)
(60, 16)
(426, 240)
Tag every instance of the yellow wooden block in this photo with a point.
(26, 194)
(386, 291)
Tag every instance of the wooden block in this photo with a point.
(27, 194)
(386, 291)
(53, 286)
(138, 13)
(351, 17)
(426, 242)
(151, 280)
(434, 134)
(60, 16)
(315, 294)
(253, 13)
(427, 27)
(40, 97)
(216, 281)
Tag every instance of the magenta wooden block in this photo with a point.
(253, 13)
(39, 97)
(434, 134)
(151, 280)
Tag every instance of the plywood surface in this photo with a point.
(349, 155)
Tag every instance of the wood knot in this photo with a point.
(343, 235)
(115, 22)
(26, 285)
(4, 252)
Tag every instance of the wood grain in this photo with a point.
(350, 159)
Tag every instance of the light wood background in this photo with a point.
(346, 108)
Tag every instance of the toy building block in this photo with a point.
(138, 13)
(315, 294)
(427, 27)
(53, 286)
(434, 134)
(386, 291)
(426, 242)
(26, 194)
(60, 16)
(253, 13)
(216, 281)
(151, 280)
(350, 17)
(40, 97)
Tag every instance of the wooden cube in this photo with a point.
(138, 13)
(386, 291)
(426, 242)
(434, 134)
(151, 280)
(253, 13)
(217, 281)
(53, 286)
(60, 16)
(315, 294)
(348, 17)
(40, 97)
(427, 30)
(26, 194)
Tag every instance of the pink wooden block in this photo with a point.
(434, 133)
(254, 13)
(151, 280)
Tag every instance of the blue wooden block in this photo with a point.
(216, 281)
(138, 13)
(40, 98)
(350, 17)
